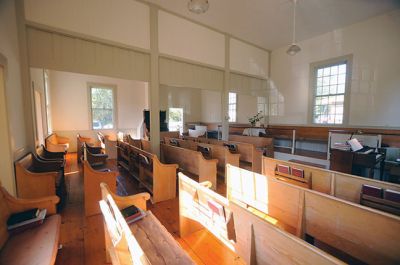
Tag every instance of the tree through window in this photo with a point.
(102, 107)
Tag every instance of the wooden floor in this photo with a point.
(83, 238)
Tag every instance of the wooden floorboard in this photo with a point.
(83, 238)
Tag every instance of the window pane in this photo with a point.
(319, 72)
(340, 89)
(340, 99)
(102, 98)
(102, 119)
(326, 81)
(319, 91)
(334, 70)
(319, 82)
(339, 109)
(333, 80)
(332, 89)
(327, 71)
(342, 79)
(342, 69)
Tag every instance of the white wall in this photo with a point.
(246, 108)
(375, 86)
(211, 106)
(182, 38)
(248, 59)
(70, 102)
(122, 21)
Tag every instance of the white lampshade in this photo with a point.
(293, 49)
(198, 6)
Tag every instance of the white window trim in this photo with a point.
(348, 59)
(115, 109)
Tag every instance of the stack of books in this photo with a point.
(21, 221)
(132, 214)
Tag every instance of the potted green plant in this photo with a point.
(256, 118)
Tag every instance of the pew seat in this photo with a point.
(42, 152)
(56, 143)
(143, 242)
(37, 245)
(37, 178)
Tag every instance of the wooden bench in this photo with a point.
(45, 154)
(139, 143)
(37, 245)
(94, 155)
(143, 242)
(109, 144)
(250, 156)
(254, 239)
(158, 178)
(91, 183)
(191, 162)
(36, 178)
(266, 144)
(56, 143)
(345, 229)
(80, 141)
(344, 186)
(211, 151)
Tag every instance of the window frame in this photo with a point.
(236, 106)
(348, 59)
(115, 109)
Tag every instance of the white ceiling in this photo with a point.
(268, 23)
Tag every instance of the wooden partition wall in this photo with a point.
(341, 185)
(368, 235)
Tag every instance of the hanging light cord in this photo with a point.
(294, 21)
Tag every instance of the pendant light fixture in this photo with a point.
(294, 48)
(198, 6)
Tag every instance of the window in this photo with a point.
(262, 107)
(232, 103)
(330, 82)
(175, 119)
(102, 107)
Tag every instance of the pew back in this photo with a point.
(260, 242)
(341, 185)
(351, 228)
(192, 162)
(266, 143)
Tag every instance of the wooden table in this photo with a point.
(157, 243)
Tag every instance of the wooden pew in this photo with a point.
(158, 178)
(36, 245)
(191, 162)
(172, 134)
(56, 143)
(336, 225)
(263, 143)
(95, 155)
(221, 153)
(250, 156)
(254, 239)
(341, 185)
(143, 242)
(91, 183)
(36, 179)
(139, 143)
(109, 144)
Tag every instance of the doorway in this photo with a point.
(6, 161)
(175, 119)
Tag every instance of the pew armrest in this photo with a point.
(16, 205)
(139, 200)
(206, 184)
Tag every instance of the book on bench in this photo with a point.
(24, 220)
(132, 214)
